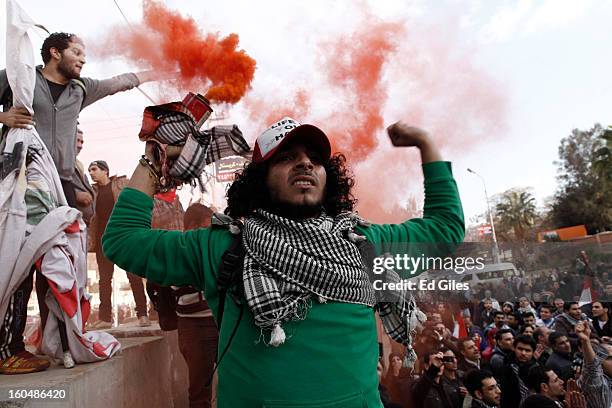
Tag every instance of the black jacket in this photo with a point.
(509, 381)
(466, 367)
(497, 361)
(606, 330)
(426, 393)
(561, 365)
(479, 404)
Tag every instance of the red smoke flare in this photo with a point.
(167, 41)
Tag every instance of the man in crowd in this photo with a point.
(197, 332)
(561, 358)
(428, 391)
(513, 320)
(60, 94)
(525, 306)
(429, 340)
(546, 316)
(489, 296)
(505, 346)
(107, 191)
(470, 355)
(451, 381)
(529, 319)
(83, 190)
(483, 388)
(294, 198)
(558, 302)
(386, 400)
(542, 353)
(601, 319)
(596, 376)
(487, 312)
(547, 388)
(445, 314)
(565, 322)
(514, 373)
(499, 321)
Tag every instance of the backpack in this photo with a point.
(164, 303)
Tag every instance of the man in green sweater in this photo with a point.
(301, 329)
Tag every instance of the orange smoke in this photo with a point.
(382, 73)
(355, 66)
(265, 112)
(167, 41)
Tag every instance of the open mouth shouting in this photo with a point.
(304, 181)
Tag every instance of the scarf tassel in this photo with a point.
(278, 336)
(411, 357)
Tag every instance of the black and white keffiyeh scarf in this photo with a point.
(200, 147)
(287, 262)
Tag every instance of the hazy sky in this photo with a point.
(549, 63)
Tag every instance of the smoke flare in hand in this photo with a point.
(167, 41)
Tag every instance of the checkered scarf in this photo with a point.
(200, 147)
(289, 261)
(206, 147)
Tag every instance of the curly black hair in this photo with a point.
(249, 192)
(60, 41)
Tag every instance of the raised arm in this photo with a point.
(442, 220)
(100, 88)
(165, 257)
(153, 75)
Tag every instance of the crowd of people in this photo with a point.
(528, 354)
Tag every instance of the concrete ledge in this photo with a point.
(149, 372)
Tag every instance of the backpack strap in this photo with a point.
(229, 273)
(229, 277)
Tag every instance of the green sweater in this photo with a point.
(329, 358)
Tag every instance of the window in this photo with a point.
(507, 273)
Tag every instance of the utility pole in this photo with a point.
(495, 246)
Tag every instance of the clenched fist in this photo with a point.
(402, 134)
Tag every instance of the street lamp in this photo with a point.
(495, 247)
